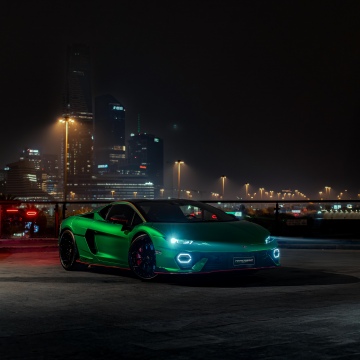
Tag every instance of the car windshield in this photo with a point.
(179, 211)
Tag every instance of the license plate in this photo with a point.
(239, 261)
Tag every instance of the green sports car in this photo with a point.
(153, 237)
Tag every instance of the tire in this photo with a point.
(142, 259)
(68, 251)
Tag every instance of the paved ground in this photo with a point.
(308, 309)
(50, 244)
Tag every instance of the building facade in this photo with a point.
(78, 106)
(22, 182)
(109, 130)
(146, 153)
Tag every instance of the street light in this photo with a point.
(246, 189)
(135, 193)
(179, 162)
(327, 189)
(223, 177)
(112, 193)
(66, 120)
(261, 192)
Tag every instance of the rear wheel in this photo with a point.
(68, 252)
(142, 259)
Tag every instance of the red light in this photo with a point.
(214, 217)
(142, 167)
(12, 210)
(31, 213)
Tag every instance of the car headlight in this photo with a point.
(180, 241)
(269, 239)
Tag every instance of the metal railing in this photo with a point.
(337, 218)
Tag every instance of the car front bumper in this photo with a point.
(207, 262)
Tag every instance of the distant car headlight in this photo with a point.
(180, 241)
(269, 239)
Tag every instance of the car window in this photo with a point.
(104, 211)
(125, 212)
(181, 211)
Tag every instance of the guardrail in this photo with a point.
(330, 218)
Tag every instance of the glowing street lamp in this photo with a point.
(66, 120)
(112, 193)
(135, 193)
(246, 189)
(162, 192)
(327, 189)
(261, 192)
(179, 162)
(223, 177)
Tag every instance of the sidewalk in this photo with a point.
(51, 244)
(317, 243)
(28, 245)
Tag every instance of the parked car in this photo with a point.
(176, 236)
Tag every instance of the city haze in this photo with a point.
(265, 93)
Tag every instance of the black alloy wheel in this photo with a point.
(67, 250)
(142, 259)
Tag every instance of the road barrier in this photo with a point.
(319, 218)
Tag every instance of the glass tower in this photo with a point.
(78, 106)
(109, 130)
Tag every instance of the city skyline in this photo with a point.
(264, 93)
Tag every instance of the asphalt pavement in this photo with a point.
(306, 309)
(50, 244)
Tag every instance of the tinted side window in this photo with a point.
(126, 212)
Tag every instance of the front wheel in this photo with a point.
(142, 259)
(68, 252)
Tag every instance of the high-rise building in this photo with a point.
(109, 134)
(50, 173)
(32, 155)
(79, 107)
(146, 153)
(22, 181)
(46, 169)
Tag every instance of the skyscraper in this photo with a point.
(146, 153)
(22, 181)
(78, 105)
(109, 130)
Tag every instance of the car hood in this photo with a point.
(230, 232)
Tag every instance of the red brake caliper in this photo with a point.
(139, 257)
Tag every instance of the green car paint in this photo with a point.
(190, 244)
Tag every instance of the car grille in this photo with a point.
(237, 260)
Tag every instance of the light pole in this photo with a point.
(66, 120)
(179, 162)
(327, 189)
(135, 193)
(112, 193)
(246, 189)
(261, 192)
(223, 177)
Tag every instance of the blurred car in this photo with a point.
(152, 237)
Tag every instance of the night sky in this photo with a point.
(264, 92)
